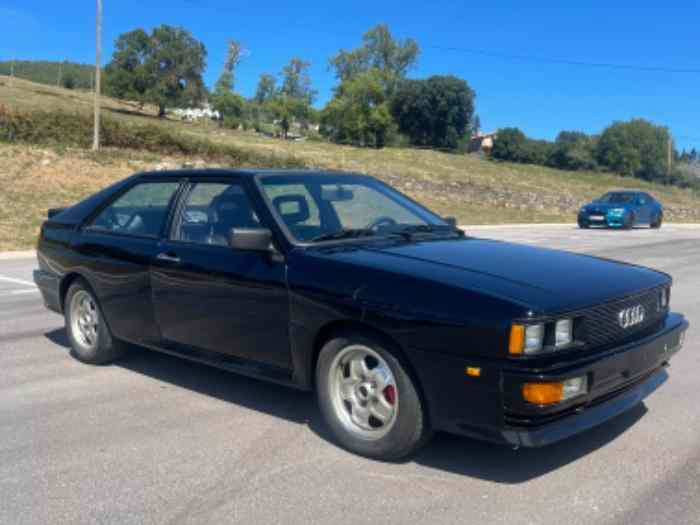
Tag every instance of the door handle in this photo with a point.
(168, 257)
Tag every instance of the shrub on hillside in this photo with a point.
(635, 148)
(74, 129)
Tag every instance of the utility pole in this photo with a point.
(98, 60)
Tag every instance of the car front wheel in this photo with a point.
(90, 339)
(368, 398)
(657, 221)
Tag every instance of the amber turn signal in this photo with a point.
(517, 339)
(473, 371)
(543, 393)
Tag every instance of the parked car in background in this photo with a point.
(622, 209)
(340, 284)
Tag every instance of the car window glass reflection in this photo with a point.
(141, 211)
(212, 210)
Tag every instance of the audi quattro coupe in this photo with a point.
(337, 283)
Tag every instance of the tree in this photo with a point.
(573, 150)
(265, 91)
(227, 80)
(296, 82)
(230, 106)
(635, 148)
(379, 50)
(510, 144)
(359, 113)
(164, 68)
(436, 112)
(476, 124)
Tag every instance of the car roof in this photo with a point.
(627, 191)
(240, 172)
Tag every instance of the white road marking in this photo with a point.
(20, 292)
(16, 281)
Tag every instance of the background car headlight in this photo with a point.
(617, 211)
(563, 333)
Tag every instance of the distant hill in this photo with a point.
(65, 74)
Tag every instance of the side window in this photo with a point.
(141, 211)
(211, 210)
(643, 199)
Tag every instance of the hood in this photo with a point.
(547, 281)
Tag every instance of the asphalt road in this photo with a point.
(158, 440)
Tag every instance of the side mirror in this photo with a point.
(451, 221)
(250, 239)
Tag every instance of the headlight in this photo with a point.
(563, 333)
(664, 298)
(537, 338)
(617, 211)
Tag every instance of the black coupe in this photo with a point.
(336, 282)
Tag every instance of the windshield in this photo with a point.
(618, 198)
(316, 208)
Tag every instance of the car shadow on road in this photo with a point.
(445, 452)
(504, 465)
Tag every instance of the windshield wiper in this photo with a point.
(345, 233)
(410, 231)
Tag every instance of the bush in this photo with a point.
(636, 148)
(76, 130)
(231, 122)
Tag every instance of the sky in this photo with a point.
(518, 56)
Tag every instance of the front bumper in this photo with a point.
(491, 407)
(609, 220)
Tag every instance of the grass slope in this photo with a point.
(475, 190)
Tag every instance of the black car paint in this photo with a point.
(443, 304)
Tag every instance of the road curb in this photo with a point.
(27, 254)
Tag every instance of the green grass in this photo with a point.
(475, 190)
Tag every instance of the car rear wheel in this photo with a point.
(368, 399)
(90, 339)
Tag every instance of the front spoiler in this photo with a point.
(588, 418)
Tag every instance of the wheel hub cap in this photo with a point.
(363, 391)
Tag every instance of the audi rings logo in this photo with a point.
(630, 317)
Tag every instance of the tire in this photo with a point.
(629, 223)
(583, 225)
(343, 385)
(88, 334)
(657, 222)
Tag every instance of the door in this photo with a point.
(643, 211)
(211, 297)
(116, 249)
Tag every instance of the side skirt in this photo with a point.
(229, 363)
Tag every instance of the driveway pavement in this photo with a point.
(157, 440)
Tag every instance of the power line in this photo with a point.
(579, 63)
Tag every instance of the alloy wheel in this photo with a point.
(363, 392)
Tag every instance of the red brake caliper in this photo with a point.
(390, 394)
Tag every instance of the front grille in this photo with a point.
(601, 325)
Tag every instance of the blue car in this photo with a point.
(622, 209)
